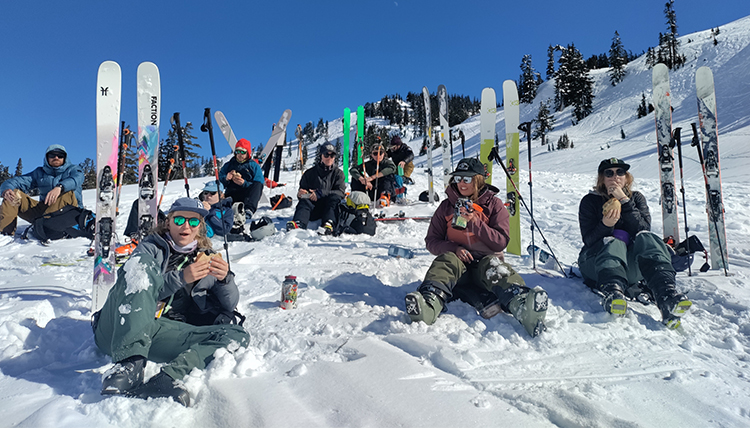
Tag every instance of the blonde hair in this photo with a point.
(204, 243)
(601, 188)
(478, 182)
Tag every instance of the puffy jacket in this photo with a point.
(634, 217)
(403, 154)
(45, 178)
(219, 211)
(487, 234)
(205, 300)
(325, 181)
(387, 167)
(249, 170)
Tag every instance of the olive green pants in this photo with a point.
(30, 210)
(126, 325)
(455, 278)
(612, 259)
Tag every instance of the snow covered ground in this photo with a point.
(347, 356)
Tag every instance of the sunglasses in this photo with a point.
(240, 152)
(180, 220)
(378, 153)
(329, 155)
(609, 173)
(468, 179)
(55, 155)
(207, 193)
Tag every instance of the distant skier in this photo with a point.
(58, 181)
(375, 177)
(403, 157)
(468, 233)
(619, 250)
(173, 303)
(321, 189)
(243, 177)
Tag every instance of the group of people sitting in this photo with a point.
(181, 297)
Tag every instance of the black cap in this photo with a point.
(470, 167)
(613, 163)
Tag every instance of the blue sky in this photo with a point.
(253, 59)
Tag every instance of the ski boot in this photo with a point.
(488, 309)
(163, 386)
(327, 229)
(291, 225)
(528, 306)
(614, 299)
(125, 376)
(424, 305)
(672, 308)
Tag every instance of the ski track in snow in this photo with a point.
(348, 356)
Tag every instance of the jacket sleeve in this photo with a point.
(306, 182)
(339, 185)
(387, 168)
(209, 291)
(223, 173)
(495, 234)
(436, 239)
(410, 156)
(24, 183)
(635, 216)
(590, 220)
(257, 174)
(73, 179)
(220, 222)
(173, 280)
(356, 171)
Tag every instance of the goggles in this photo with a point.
(351, 204)
(240, 152)
(466, 179)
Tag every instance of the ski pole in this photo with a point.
(526, 128)
(496, 157)
(676, 141)
(120, 164)
(167, 178)
(208, 127)
(463, 142)
(697, 143)
(181, 143)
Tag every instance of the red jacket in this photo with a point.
(487, 234)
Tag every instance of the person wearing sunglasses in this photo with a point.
(58, 181)
(243, 177)
(220, 219)
(375, 177)
(321, 189)
(403, 157)
(173, 303)
(619, 251)
(470, 265)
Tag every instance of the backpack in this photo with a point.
(68, 222)
(279, 202)
(682, 258)
(353, 216)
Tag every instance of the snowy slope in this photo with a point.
(348, 355)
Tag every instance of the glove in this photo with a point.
(611, 205)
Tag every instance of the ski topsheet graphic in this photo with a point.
(149, 109)
(663, 117)
(108, 93)
(512, 147)
(487, 129)
(709, 135)
(226, 130)
(444, 134)
(428, 133)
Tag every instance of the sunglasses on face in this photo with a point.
(377, 154)
(180, 220)
(610, 173)
(240, 152)
(457, 179)
(207, 193)
(329, 155)
(55, 156)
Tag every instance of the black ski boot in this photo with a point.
(671, 304)
(163, 386)
(125, 376)
(614, 299)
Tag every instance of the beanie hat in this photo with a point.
(189, 204)
(244, 144)
(469, 167)
(395, 140)
(613, 163)
(210, 186)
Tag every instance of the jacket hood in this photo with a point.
(51, 170)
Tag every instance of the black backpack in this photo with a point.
(353, 220)
(68, 222)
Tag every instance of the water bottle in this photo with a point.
(399, 252)
(289, 292)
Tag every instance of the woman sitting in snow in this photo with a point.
(173, 303)
(468, 233)
(618, 249)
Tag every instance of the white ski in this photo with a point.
(663, 117)
(149, 110)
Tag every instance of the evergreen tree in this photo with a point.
(618, 58)
(563, 142)
(130, 165)
(669, 52)
(19, 168)
(320, 128)
(642, 107)
(573, 85)
(4, 174)
(89, 174)
(550, 62)
(545, 122)
(169, 151)
(528, 81)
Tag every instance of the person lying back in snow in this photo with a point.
(174, 302)
(618, 248)
(468, 232)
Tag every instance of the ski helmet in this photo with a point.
(261, 228)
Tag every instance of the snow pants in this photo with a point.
(247, 195)
(613, 260)
(323, 209)
(475, 283)
(127, 326)
(30, 210)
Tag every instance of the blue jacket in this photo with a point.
(215, 216)
(45, 178)
(249, 170)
